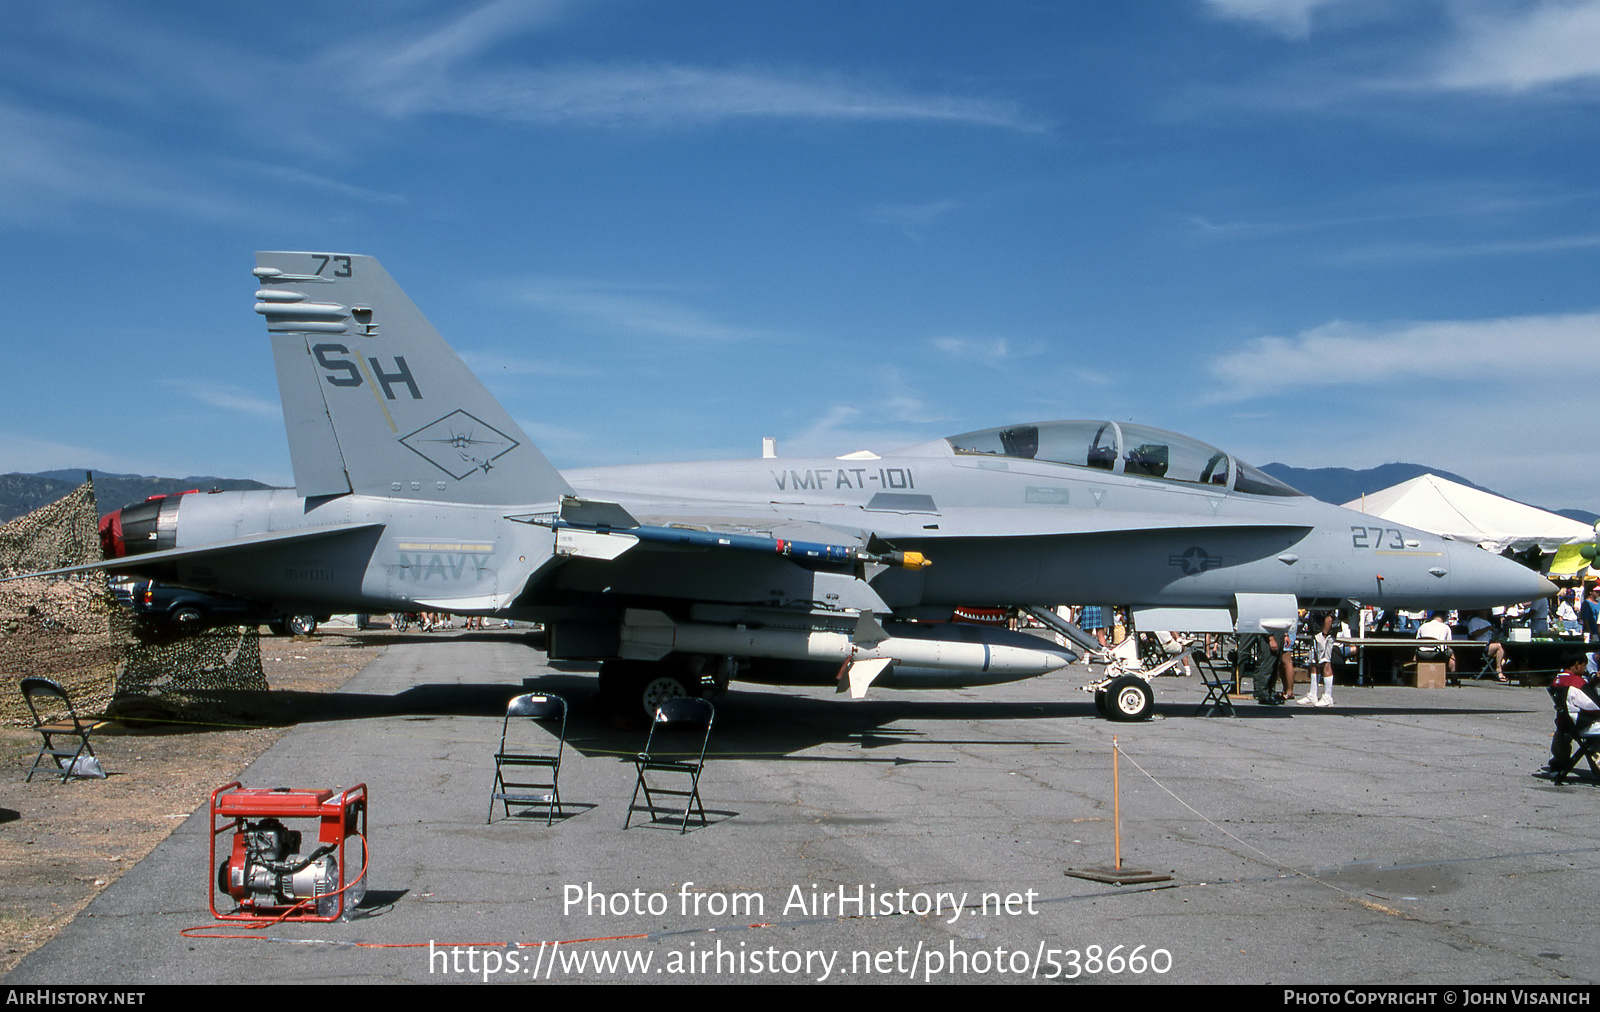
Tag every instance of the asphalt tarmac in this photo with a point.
(1395, 838)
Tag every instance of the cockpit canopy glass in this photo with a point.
(1122, 449)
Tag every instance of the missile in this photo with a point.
(863, 654)
(604, 530)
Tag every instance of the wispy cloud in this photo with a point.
(160, 80)
(844, 428)
(1343, 354)
(227, 397)
(989, 351)
(1438, 200)
(448, 69)
(52, 164)
(630, 309)
(489, 364)
(1455, 251)
(912, 219)
(1517, 48)
(408, 55)
(48, 161)
(1533, 46)
(1207, 228)
(900, 401)
(573, 447)
(1289, 18)
(678, 95)
(892, 412)
(302, 179)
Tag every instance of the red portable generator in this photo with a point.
(265, 873)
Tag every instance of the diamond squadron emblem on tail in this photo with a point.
(459, 444)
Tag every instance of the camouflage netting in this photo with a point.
(64, 533)
(69, 630)
(189, 676)
(72, 631)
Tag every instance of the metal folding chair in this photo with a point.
(516, 788)
(1218, 681)
(1585, 746)
(60, 720)
(681, 714)
(1583, 743)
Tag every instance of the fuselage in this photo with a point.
(416, 490)
(998, 531)
(1007, 531)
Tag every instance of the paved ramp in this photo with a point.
(1397, 838)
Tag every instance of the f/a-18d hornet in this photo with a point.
(415, 490)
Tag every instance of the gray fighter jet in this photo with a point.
(414, 490)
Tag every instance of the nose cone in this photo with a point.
(1480, 579)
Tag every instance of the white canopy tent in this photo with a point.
(1452, 510)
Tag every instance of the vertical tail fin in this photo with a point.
(376, 402)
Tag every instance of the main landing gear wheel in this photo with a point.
(1100, 704)
(629, 686)
(659, 689)
(1127, 699)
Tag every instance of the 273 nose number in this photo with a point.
(1377, 537)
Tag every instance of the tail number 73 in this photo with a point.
(341, 264)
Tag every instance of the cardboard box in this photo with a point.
(1430, 675)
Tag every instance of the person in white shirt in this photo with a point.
(1436, 629)
(1574, 693)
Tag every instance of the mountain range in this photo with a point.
(1340, 485)
(23, 493)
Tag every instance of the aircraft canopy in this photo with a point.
(1122, 449)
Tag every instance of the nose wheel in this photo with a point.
(1125, 698)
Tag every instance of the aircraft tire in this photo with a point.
(1128, 699)
(630, 686)
(660, 687)
(1100, 704)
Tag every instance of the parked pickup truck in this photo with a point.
(195, 609)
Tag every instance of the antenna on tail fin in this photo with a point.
(375, 401)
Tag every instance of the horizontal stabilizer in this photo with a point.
(149, 561)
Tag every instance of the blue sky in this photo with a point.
(1324, 232)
